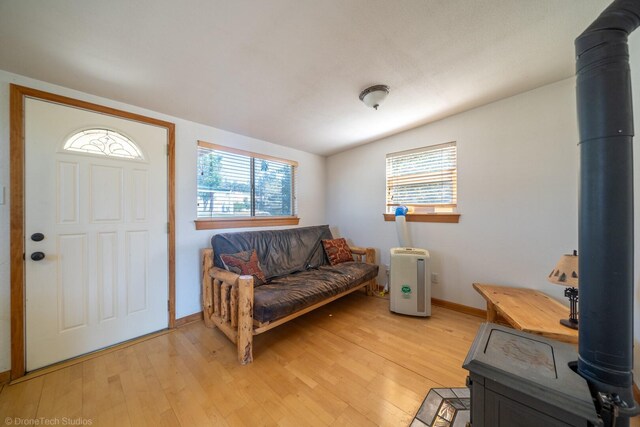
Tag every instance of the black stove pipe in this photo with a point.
(605, 119)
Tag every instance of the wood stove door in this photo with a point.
(504, 412)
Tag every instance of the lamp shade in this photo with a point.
(374, 95)
(565, 272)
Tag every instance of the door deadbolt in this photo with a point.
(37, 237)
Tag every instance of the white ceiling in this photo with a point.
(290, 71)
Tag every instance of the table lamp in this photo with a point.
(565, 273)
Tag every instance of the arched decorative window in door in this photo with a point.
(103, 142)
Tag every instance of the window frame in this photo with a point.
(435, 212)
(211, 223)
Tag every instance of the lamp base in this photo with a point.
(569, 323)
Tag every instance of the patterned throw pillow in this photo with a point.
(337, 250)
(245, 263)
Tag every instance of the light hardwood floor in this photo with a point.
(349, 363)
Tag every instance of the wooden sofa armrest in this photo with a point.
(224, 275)
(369, 253)
(227, 303)
(358, 250)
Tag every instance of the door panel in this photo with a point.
(107, 275)
(140, 195)
(106, 193)
(137, 256)
(72, 279)
(67, 200)
(104, 278)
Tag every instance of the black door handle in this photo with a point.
(36, 237)
(37, 256)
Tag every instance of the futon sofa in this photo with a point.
(254, 281)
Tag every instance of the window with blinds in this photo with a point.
(425, 178)
(238, 184)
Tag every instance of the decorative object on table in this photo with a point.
(565, 273)
(444, 407)
(374, 95)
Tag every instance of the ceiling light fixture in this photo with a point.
(374, 95)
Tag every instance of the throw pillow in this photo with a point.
(337, 251)
(245, 263)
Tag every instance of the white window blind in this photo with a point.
(424, 177)
(235, 183)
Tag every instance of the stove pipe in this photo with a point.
(605, 120)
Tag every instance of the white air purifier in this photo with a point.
(410, 291)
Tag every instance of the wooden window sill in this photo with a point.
(220, 223)
(429, 217)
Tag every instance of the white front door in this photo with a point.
(103, 219)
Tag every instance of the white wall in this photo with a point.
(310, 190)
(517, 189)
(517, 194)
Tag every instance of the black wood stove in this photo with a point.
(525, 380)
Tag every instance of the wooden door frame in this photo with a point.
(17, 199)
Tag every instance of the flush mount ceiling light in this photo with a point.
(374, 95)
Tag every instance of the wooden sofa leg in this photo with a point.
(245, 319)
(372, 287)
(370, 258)
(207, 287)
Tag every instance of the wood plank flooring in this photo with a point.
(350, 363)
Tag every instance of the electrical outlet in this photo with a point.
(435, 278)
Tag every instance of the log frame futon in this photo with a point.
(227, 302)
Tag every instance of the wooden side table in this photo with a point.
(527, 310)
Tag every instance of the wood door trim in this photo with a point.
(16, 186)
(16, 235)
